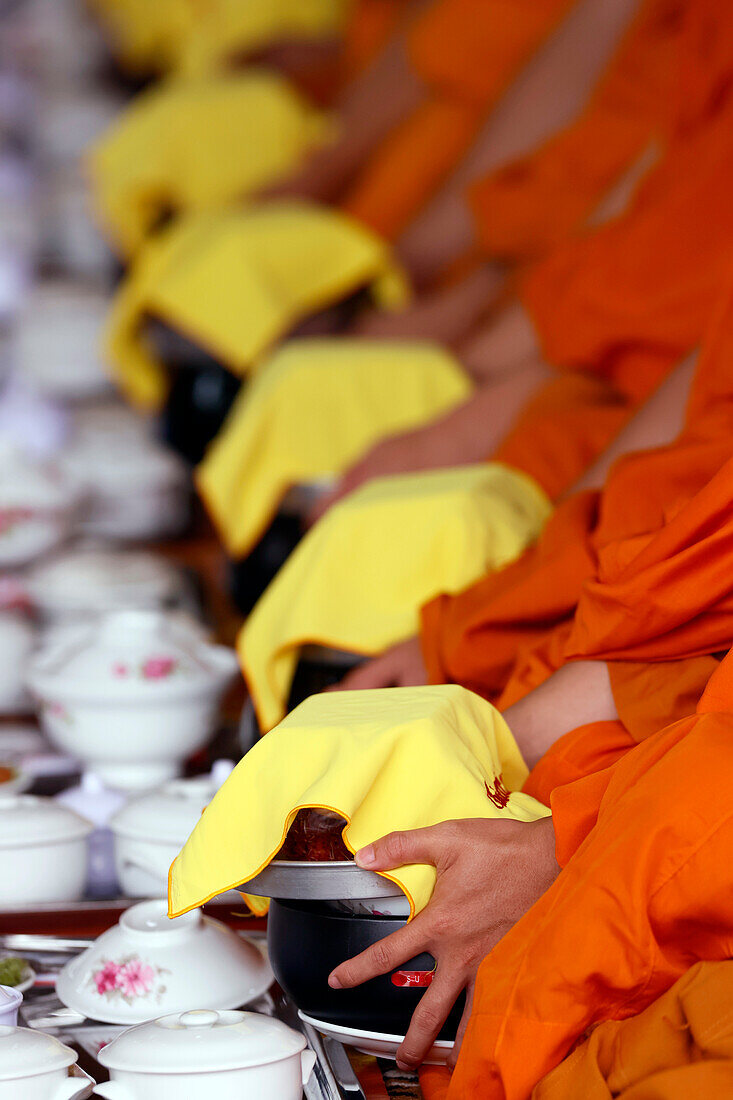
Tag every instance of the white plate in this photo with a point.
(376, 1043)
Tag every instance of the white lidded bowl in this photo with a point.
(35, 1066)
(148, 964)
(80, 583)
(71, 239)
(132, 695)
(68, 122)
(10, 1001)
(150, 830)
(17, 640)
(56, 340)
(36, 506)
(43, 851)
(202, 1054)
(133, 487)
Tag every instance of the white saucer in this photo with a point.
(376, 1043)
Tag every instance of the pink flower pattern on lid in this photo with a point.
(159, 668)
(130, 979)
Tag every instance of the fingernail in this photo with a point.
(403, 1065)
(365, 857)
(334, 982)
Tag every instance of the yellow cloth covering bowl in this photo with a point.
(237, 280)
(232, 29)
(159, 35)
(311, 409)
(358, 579)
(393, 759)
(197, 145)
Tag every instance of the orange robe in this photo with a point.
(644, 846)
(466, 52)
(505, 635)
(539, 200)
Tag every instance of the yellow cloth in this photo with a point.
(196, 145)
(231, 29)
(145, 35)
(158, 35)
(313, 408)
(392, 759)
(358, 579)
(236, 281)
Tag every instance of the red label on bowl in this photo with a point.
(418, 979)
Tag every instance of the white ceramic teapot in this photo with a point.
(200, 1054)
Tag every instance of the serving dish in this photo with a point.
(11, 998)
(148, 964)
(34, 1066)
(146, 679)
(43, 851)
(200, 1054)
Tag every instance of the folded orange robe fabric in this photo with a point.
(645, 846)
(648, 279)
(681, 1046)
(539, 200)
(505, 635)
(466, 53)
(368, 30)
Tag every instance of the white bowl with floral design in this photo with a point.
(132, 695)
(36, 507)
(148, 965)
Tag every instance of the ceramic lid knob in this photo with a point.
(199, 1018)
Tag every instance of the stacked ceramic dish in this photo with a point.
(132, 695)
(17, 640)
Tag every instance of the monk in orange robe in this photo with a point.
(638, 835)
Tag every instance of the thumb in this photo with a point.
(400, 849)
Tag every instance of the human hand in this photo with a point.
(397, 454)
(490, 872)
(400, 666)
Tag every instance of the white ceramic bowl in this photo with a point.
(36, 507)
(82, 583)
(149, 831)
(132, 695)
(200, 1054)
(133, 488)
(148, 964)
(43, 851)
(71, 238)
(56, 340)
(34, 1066)
(10, 1001)
(17, 639)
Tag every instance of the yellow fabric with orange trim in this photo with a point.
(358, 579)
(313, 408)
(392, 759)
(197, 145)
(236, 281)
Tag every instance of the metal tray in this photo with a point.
(336, 881)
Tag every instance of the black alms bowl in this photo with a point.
(307, 940)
